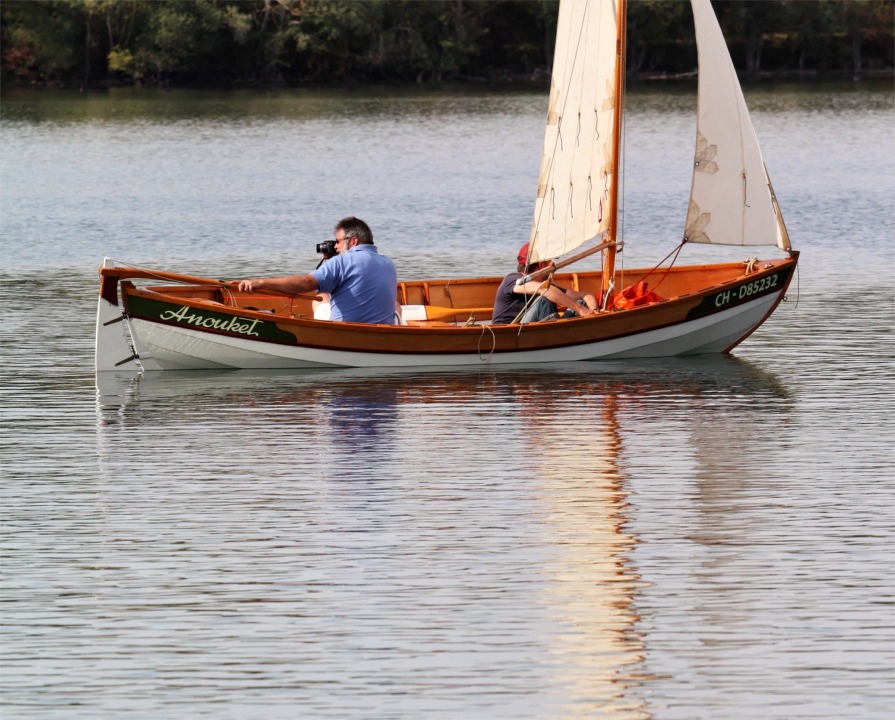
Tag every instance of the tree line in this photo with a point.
(307, 42)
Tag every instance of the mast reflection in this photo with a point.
(596, 650)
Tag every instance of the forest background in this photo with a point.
(221, 43)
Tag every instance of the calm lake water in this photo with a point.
(675, 539)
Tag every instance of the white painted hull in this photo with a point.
(176, 348)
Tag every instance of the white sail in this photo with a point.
(731, 201)
(575, 181)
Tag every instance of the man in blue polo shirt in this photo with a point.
(362, 284)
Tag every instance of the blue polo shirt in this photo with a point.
(363, 285)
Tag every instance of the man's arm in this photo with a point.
(577, 295)
(554, 295)
(288, 284)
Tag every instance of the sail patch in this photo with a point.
(697, 221)
(705, 155)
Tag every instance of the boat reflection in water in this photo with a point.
(565, 444)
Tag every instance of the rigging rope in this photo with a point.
(493, 343)
(676, 252)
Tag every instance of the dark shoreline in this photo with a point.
(541, 82)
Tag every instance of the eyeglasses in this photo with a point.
(345, 239)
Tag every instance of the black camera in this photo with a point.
(327, 249)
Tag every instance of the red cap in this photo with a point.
(522, 256)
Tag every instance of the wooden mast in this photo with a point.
(609, 258)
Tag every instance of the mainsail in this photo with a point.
(575, 184)
(731, 201)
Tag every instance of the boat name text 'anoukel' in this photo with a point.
(234, 325)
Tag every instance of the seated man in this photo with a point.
(513, 299)
(361, 283)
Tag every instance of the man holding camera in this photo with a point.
(362, 284)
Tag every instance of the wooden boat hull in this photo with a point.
(713, 308)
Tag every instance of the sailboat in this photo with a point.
(158, 320)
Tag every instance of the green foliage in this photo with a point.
(660, 37)
(121, 61)
(41, 39)
(217, 42)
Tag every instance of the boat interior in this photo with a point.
(468, 300)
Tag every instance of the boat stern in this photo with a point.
(116, 349)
